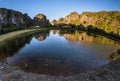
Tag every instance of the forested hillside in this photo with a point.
(109, 21)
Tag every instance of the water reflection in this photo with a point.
(12, 47)
(59, 53)
(41, 37)
(115, 55)
(87, 37)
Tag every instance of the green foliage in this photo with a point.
(109, 21)
(9, 28)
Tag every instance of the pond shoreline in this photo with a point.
(109, 72)
(105, 35)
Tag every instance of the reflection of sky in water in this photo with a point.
(56, 47)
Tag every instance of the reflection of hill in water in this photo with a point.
(41, 37)
(84, 37)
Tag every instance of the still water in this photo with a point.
(59, 53)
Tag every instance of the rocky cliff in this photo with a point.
(41, 20)
(109, 21)
(11, 20)
(11, 17)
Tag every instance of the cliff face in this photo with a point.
(40, 20)
(10, 17)
(108, 21)
(11, 20)
(72, 17)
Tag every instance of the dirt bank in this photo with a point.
(109, 72)
(12, 34)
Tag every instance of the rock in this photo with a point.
(1, 67)
(109, 72)
(11, 20)
(72, 17)
(41, 20)
(54, 22)
(11, 17)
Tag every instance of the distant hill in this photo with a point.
(41, 20)
(109, 21)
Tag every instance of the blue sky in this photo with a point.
(55, 9)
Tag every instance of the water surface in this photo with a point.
(56, 53)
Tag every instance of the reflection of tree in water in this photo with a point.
(84, 37)
(115, 56)
(13, 47)
(41, 37)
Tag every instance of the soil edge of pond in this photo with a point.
(109, 72)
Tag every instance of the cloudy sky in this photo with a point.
(55, 9)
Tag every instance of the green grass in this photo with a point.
(9, 37)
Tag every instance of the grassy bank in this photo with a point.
(7, 38)
(116, 38)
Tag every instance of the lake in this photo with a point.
(59, 53)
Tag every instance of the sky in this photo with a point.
(54, 9)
